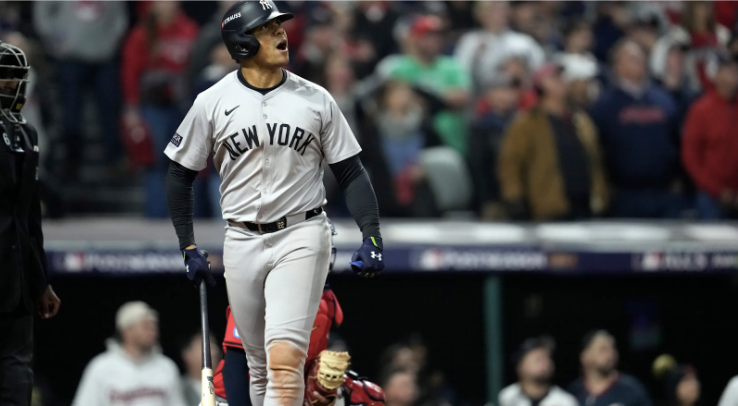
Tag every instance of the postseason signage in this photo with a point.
(422, 259)
(132, 247)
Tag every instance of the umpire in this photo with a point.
(23, 279)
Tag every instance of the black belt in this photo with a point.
(280, 224)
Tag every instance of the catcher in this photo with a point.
(327, 379)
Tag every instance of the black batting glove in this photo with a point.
(367, 261)
(198, 266)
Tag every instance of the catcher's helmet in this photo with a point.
(243, 17)
(13, 67)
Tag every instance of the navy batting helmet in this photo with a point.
(14, 68)
(243, 17)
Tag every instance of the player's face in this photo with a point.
(601, 354)
(10, 79)
(145, 333)
(536, 366)
(273, 49)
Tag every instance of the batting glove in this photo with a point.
(367, 260)
(197, 266)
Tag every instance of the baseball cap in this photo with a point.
(576, 67)
(545, 71)
(542, 342)
(132, 312)
(426, 24)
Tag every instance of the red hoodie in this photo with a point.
(710, 146)
(171, 55)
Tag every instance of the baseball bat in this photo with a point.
(207, 388)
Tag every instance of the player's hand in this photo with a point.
(197, 266)
(48, 304)
(368, 260)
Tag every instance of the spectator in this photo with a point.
(550, 163)
(494, 113)
(601, 383)
(730, 394)
(638, 129)
(460, 16)
(644, 31)
(84, 38)
(482, 52)
(155, 56)
(710, 150)
(580, 74)
(439, 77)
(207, 40)
(704, 37)
(535, 368)
(609, 27)
(321, 40)
(401, 125)
(675, 80)
(373, 34)
(133, 370)
(192, 358)
(578, 39)
(539, 20)
(400, 388)
(681, 385)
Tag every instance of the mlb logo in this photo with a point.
(235, 332)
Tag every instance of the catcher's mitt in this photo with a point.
(325, 375)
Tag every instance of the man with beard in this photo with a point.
(601, 383)
(535, 369)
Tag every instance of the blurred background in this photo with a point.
(542, 168)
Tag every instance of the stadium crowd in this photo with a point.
(524, 110)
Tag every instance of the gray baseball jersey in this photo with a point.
(268, 149)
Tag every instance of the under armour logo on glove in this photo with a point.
(367, 260)
(198, 266)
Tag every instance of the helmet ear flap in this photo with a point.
(250, 45)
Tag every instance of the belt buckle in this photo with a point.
(258, 225)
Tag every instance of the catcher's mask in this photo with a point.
(13, 79)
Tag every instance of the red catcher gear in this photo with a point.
(329, 313)
(231, 339)
(218, 380)
(359, 391)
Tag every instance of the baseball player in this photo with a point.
(269, 131)
(348, 389)
(232, 371)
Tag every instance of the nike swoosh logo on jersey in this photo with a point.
(228, 112)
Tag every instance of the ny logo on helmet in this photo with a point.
(265, 4)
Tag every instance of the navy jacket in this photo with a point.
(625, 391)
(639, 137)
